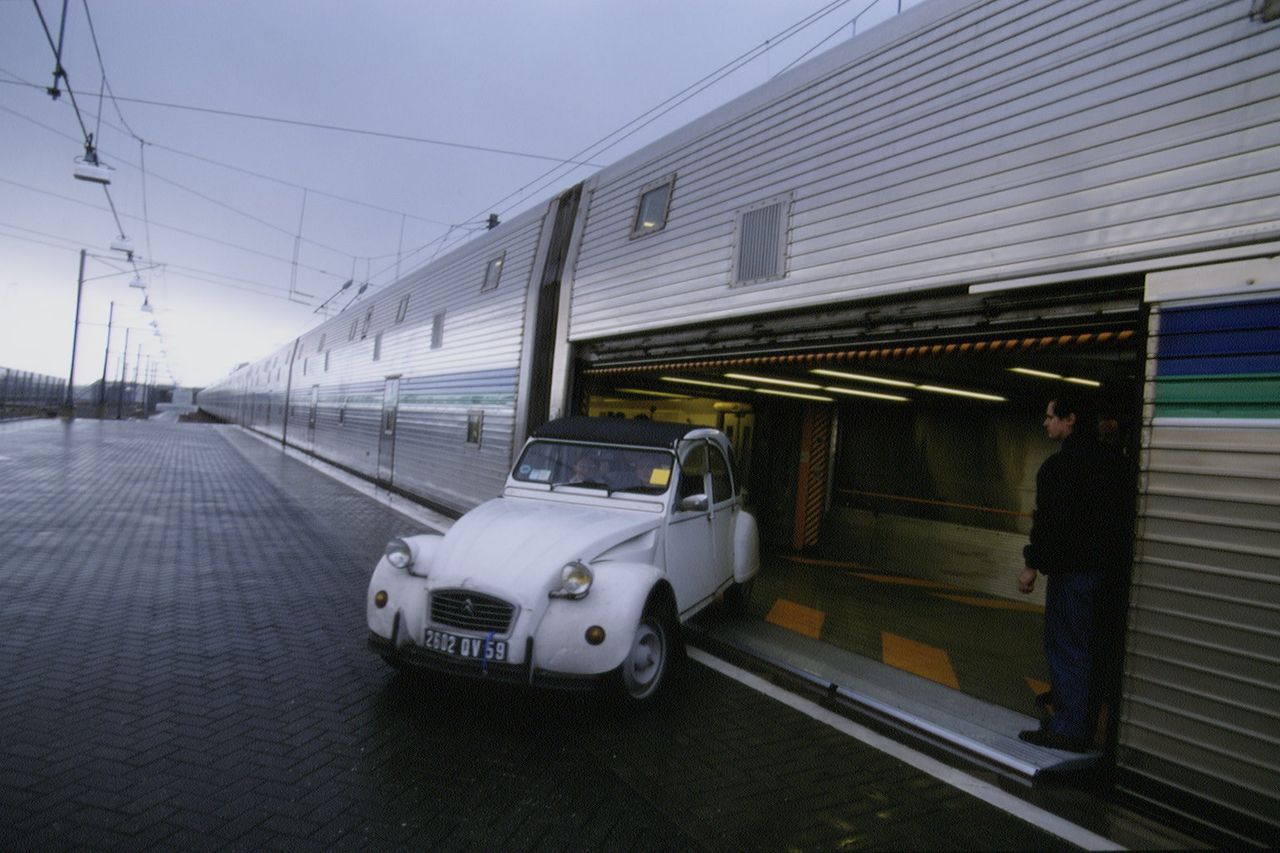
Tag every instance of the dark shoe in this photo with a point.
(1053, 740)
(1045, 708)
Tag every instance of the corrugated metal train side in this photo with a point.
(415, 386)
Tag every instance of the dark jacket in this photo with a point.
(1082, 521)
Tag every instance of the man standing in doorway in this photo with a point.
(1078, 542)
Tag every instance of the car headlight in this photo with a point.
(398, 553)
(575, 580)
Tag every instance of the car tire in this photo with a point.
(652, 658)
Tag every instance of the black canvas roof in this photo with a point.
(644, 433)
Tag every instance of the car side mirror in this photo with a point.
(693, 503)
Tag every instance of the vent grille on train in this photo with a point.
(471, 611)
(761, 242)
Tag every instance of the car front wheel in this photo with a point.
(648, 662)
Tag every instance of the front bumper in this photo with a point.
(511, 673)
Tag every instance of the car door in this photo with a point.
(724, 511)
(690, 538)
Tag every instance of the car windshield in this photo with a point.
(599, 466)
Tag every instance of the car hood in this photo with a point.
(516, 547)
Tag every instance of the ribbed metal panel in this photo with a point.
(958, 143)
(1202, 678)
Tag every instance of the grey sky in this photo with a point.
(545, 78)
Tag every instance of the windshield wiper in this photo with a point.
(585, 484)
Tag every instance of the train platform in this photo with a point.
(184, 666)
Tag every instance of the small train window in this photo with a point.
(368, 318)
(492, 272)
(475, 427)
(402, 309)
(377, 346)
(653, 207)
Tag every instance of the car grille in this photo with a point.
(471, 611)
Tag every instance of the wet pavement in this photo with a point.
(183, 661)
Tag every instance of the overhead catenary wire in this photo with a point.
(225, 165)
(93, 36)
(646, 118)
(316, 125)
(232, 208)
(622, 133)
(851, 22)
(190, 190)
(58, 71)
(91, 155)
(211, 277)
(178, 229)
(455, 231)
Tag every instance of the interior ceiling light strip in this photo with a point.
(959, 392)
(872, 394)
(771, 380)
(1008, 345)
(645, 393)
(776, 393)
(705, 383)
(1044, 374)
(859, 377)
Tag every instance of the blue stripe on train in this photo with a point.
(1217, 340)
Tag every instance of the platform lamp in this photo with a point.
(88, 168)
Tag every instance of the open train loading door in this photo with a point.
(889, 452)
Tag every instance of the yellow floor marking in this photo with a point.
(905, 581)
(1037, 686)
(796, 617)
(926, 661)
(994, 603)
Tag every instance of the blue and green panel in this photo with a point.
(1219, 361)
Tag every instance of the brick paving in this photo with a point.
(183, 666)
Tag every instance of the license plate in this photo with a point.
(476, 648)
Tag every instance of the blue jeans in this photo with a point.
(1070, 622)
